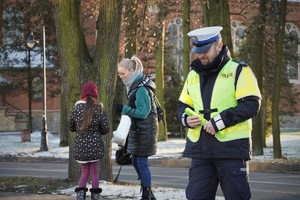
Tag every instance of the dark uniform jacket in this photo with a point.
(88, 146)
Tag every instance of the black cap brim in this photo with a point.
(201, 49)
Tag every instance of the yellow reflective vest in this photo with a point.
(224, 95)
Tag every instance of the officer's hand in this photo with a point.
(209, 128)
(193, 121)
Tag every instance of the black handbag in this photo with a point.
(122, 157)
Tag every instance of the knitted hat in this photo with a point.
(89, 89)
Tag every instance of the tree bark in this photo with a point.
(277, 80)
(72, 59)
(216, 13)
(1, 21)
(205, 12)
(130, 24)
(159, 31)
(159, 81)
(258, 51)
(186, 40)
(105, 67)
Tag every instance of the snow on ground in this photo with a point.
(11, 145)
(290, 145)
(129, 192)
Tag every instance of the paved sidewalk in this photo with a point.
(289, 164)
(269, 165)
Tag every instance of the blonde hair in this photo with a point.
(133, 63)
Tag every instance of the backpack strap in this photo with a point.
(158, 106)
(238, 71)
(151, 90)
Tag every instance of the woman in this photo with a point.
(142, 137)
(89, 121)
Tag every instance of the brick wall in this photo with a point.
(147, 56)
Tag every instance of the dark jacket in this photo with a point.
(142, 137)
(208, 146)
(88, 146)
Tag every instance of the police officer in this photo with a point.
(225, 92)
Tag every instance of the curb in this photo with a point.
(171, 162)
(276, 165)
(32, 159)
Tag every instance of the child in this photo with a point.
(89, 121)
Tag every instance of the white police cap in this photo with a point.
(204, 37)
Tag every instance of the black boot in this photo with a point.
(95, 193)
(147, 194)
(80, 193)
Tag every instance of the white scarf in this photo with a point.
(130, 79)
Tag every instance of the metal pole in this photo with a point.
(44, 133)
(29, 92)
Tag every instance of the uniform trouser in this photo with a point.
(206, 174)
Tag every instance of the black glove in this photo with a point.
(119, 107)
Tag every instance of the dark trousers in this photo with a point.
(206, 174)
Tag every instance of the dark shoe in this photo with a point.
(95, 193)
(147, 194)
(81, 193)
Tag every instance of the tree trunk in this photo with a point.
(258, 62)
(72, 59)
(205, 12)
(105, 67)
(1, 21)
(159, 81)
(129, 29)
(130, 25)
(277, 80)
(216, 13)
(186, 40)
(159, 32)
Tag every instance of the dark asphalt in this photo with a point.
(282, 166)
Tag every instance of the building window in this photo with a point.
(293, 50)
(175, 43)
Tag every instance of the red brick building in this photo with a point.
(173, 29)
